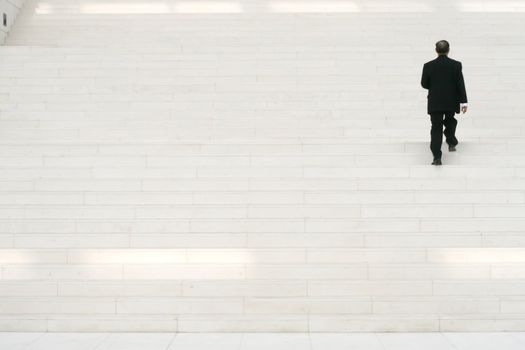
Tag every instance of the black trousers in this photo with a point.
(436, 132)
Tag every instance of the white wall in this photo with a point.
(258, 170)
(11, 8)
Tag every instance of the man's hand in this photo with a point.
(464, 109)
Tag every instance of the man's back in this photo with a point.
(443, 78)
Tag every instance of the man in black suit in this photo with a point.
(446, 96)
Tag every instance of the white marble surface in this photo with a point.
(168, 167)
(257, 341)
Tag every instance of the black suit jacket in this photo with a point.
(446, 87)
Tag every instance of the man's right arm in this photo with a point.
(462, 91)
(461, 86)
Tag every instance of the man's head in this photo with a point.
(442, 47)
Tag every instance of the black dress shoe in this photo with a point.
(451, 148)
(436, 161)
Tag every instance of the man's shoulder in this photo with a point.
(428, 64)
(446, 59)
(456, 62)
(432, 62)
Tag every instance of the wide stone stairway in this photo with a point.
(259, 165)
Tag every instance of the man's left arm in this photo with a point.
(425, 78)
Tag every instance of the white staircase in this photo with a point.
(258, 166)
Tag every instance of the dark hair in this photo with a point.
(442, 47)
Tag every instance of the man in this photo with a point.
(446, 96)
